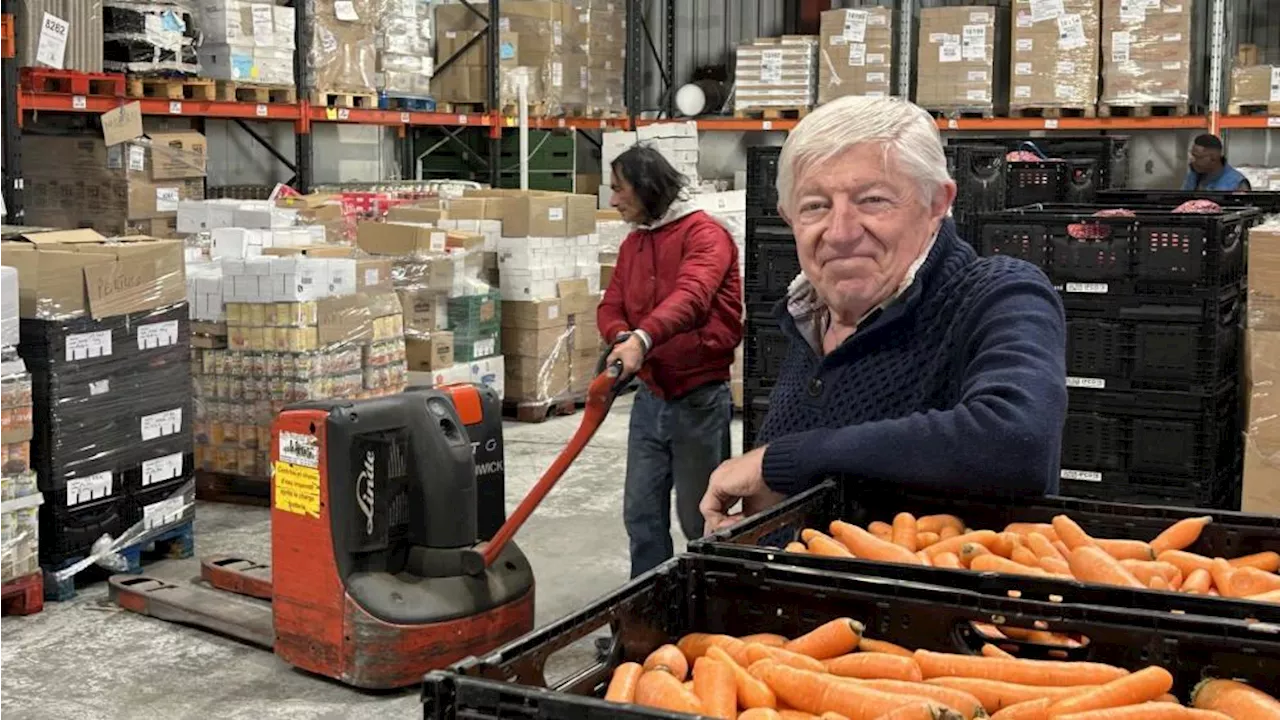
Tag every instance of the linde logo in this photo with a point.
(490, 467)
(364, 492)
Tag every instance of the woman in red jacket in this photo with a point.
(674, 310)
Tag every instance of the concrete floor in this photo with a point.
(86, 659)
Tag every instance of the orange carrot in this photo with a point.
(818, 692)
(1070, 533)
(988, 630)
(925, 539)
(695, 645)
(994, 563)
(1090, 563)
(1268, 560)
(1043, 547)
(946, 560)
(789, 714)
(832, 716)
(880, 646)
(953, 544)
(1043, 529)
(659, 689)
(1222, 572)
(821, 544)
(1185, 561)
(1143, 686)
(796, 547)
(995, 695)
(865, 545)
(958, 700)
(969, 551)
(670, 659)
(882, 530)
(989, 650)
(1145, 570)
(1272, 596)
(1247, 581)
(688, 684)
(757, 652)
(1055, 566)
(918, 709)
(1029, 710)
(936, 523)
(752, 692)
(1126, 549)
(622, 686)
(831, 639)
(1180, 535)
(904, 531)
(1061, 547)
(1157, 582)
(771, 639)
(1235, 699)
(1025, 556)
(872, 666)
(948, 532)
(1005, 543)
(759, 714)
(716, 688)
(1197, 582)
(1169, 698)
(924, 559)
(1147, 711)
(1026, 672)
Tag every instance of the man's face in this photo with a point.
(859, 226)
(624, 200)
(1205, 160)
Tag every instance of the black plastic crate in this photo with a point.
(113, 342)
(727, 595)
(167, 504)
(762, 179)
(163, 463)
(755, 406)
(1027, 183)
(1110, 152)
(979, 173)
(772, 264)
(1220, 491)
(764, 352)
(68, 532)
(1268, 201)
(1185, 344)
(1083, 180)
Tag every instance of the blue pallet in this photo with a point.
(411, 103)
(177, 543)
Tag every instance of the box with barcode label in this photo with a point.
(1152, 53)
(961, 65)
(855, 53)
(1254, 87)
(1054, 60)
(776, 74)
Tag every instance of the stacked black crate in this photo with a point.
(112, 417)
(771, 265)
(1153, 302)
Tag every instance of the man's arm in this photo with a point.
(611, 316)
(708, 255)
(1005, 434)
(1244, 186)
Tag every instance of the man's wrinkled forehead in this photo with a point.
(873, 164)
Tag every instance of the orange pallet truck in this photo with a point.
(376, 575)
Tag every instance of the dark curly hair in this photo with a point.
(656, 184)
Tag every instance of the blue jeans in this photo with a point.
(672, 444)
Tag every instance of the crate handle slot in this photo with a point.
(1035, 642)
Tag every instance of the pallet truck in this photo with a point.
(376, 574)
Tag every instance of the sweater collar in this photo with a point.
(675, 211)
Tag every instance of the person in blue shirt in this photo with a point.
(1208, 169)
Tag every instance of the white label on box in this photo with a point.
(1132, 12)
(936, 38)
(555, 214)
(165, 512)
(161, 469)
(977, 76)
(975, 42)
(979, 17)
(1064, 92)
(83, 346)
(137, 158)
(52, 49)
(557, 32)
(154, 335)
(1022, 91)
(98, 387)
(345, 10)
(1024, 20)
(979, 95)
(1120, 40)
(877, 77)
(167, 199)
(557, 74)
(439, 241)
(264, 29)
(1171, 65)
(1071, 32)
(1025, 44)
(553, 311)
(86, 489)
(1022, 68)
(771, 66)
(1172, 9)
(875, 58)
(371, 276)
(1066, 67)
(1275, 83)
(483, 348)
(949, 53)
(429, 66)
(1089, 288)
(855, 26)
(857, 55)
(299, 449)
(1042, 10)
(1172, 38)
(878, 20)
(1088, 383)
(838, 41)
(1081, 475)
(161, 424)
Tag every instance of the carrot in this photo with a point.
(1027, 672)
(1147, 711)
(1045, 530)
(1167, 697)
(1042, 637)
(796, 547)
(1071, 534)
(996, 695)
(832, 716)
(880, 646)
(918, 709)
(958, 700)
(924, 559)
(1055, 566)
(865, 545)
(994, 563)
(953, 544)
(821, 544)
(818, 692)
(946, 560)
(904, 531)
(1037, 709)
(1197, 582)
(1127, 549)
(831, 639)
(1005, 543)
(695, 645)
(925, 539)
(1090, 563)
(1157, 582)
(1025, 556)
(1144, 570)
(771, 639)
(988, 630)
(714, 684)
(882, 530)
(948, 532)
(757, 652)
(1272, 596)
(1185, 561)
(1248, 581)
(1043, 547)
(969, 551)
(659, 689)
(1235, 699)
(622, 686)
(688, 684)
(873, 666)
(789, 714)
(1268, 560)
(1061, 547)
(752, 692)
(1180, 535)
(989, 650)
(1143, 686)
(759, 714)
(1222, 572)
(670, 659)
(937, 523)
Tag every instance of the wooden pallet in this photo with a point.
(1053, 113)
(233, 489)
(340, 99)
(1267, 108)
(511, 110)
(48, 80)
(1149, 110)
(534, 411)
(23, 596)
(961, 113)
(137, 86)
(231, 91)
(464, 108)
(778, 113)
(177, 542)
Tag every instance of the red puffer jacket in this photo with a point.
(678, 281)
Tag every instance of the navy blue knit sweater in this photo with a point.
(960, 386)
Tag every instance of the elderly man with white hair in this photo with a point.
(912, 361)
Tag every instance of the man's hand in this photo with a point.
(741, 478)
(630, 352)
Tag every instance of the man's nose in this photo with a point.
(845, 225)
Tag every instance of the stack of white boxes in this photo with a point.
(405, 52)
(530, 268)
(247, 41)
(676, 141)
(293, 278)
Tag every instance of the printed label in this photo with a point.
(137, 158)
(1071, 32)
(371, 276)
(557, 74)
(83, 346)
(1063, 92)
(977, 76)
(296, 488)
(439, 241)
(979, 17)
(855, 26)
(1022, 91)
(1087, 383)
(1024, 20)
(1042, 10)
(1066, 67)
(875, 58)
(263, 24)
(345, 10)
(1275, 83)
(165, 512)
(88, 489)
(1081, 475)
(162, 468)
(299, 449)
(553, 311)
(484, 348)
(1132, 12)
(98, 387)
(555, 214)
(557, 32)
(949, 53)
(978, 95)
(1171, 65)
(1172, 37)
(771, 66)
(1089, 288)
(878, 20)
(154, 335)
(1022, 68)
(857, 55)
(1120, 41)
(936, 38)
(167, 199)
(1025, 44)
(161, 424)
(975, 42)
(876, 77)
(52, 48)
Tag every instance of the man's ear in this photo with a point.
(783, 213)
(943, 198)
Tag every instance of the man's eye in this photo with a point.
(875, 199)
(811, 206)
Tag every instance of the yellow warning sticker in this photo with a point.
(297, 489)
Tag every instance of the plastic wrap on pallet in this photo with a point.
(1147, 52)
(343, 48)
(247, 41)
(8, 306)
(776, 73)
(406, 59)
(597, 37)
(150, 36)
(60, 34)
(20, 502)
(958, 68)
(1055, 54)
(1264, 277)
(1261, 483)
(855, 53)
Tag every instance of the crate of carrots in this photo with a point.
(1216, 563)
(726, 638)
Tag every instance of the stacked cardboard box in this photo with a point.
(405, 58)
(343, 46)
(1055, 54)
(546, 238)
(1261, 177)
(677, 142)
(248, 42)
(1147, 52)
(1254, 85)
(1261, 485)
(855, 51)
(597, 35)
(552, 345)
(960, 66)
(132, 187)
(42, 23)
(20, 496)
(776, 73)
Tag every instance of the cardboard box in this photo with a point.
(413, 214)
(399, 238)
(549, 215)
(1147, 53)
(1055, 54)
(177, 155)
(1261, 490)
(433, 351)
(343, 53)
(1254, 85)
(855, 50)
(536, 379)
(777, 73)
(424, 310)
(961, 58)
(1264, 279)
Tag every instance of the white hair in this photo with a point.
(834, 128)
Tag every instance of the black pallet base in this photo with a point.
(177, 543)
